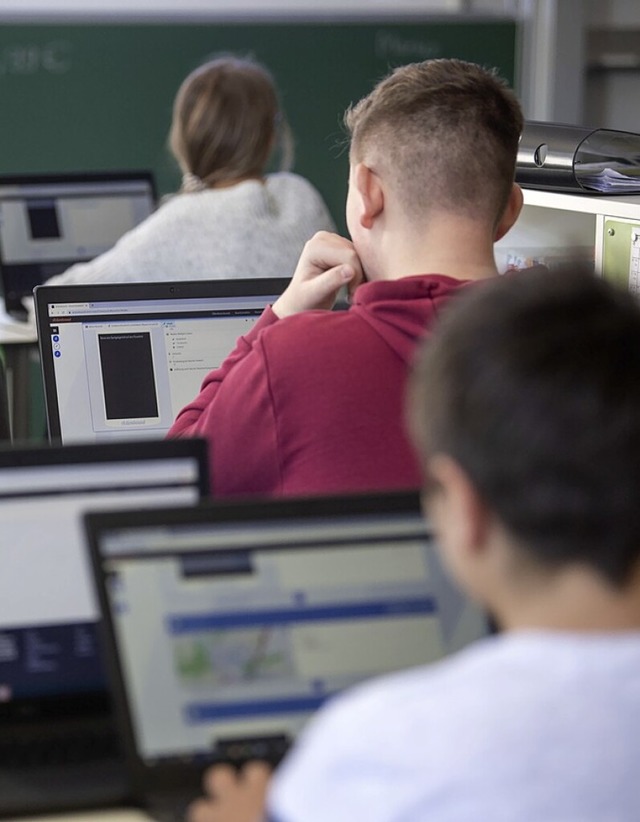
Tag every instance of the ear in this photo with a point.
(370, 194)
(511, 212)
(458, 513)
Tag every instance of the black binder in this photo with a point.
(557, 157)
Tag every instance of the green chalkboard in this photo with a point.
(99, 96)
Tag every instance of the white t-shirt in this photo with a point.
(251, 229)
(525, 727)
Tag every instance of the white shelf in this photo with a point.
(556, 227)
(611, 206)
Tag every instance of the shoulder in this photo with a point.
(377, 734)
(411, 690)
(386, 706)
(388, 748)
(318, 332)
(172, 210)
(187, 204)
(185, 217)
(508, 687)
(289, 180)
(286, 183)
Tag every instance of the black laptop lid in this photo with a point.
(121, 360)
(50, 665)
(48, 222)
(228, 625)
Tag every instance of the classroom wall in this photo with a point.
(612, 78)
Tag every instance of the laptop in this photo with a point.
(48, 222)
(58, 743)
(121, 360)
(228, 625)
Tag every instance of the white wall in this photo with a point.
(182, 8)
(612, 96)
(614, 12)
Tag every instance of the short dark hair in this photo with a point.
(532, 384)
(448, 130)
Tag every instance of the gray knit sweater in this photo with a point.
(251, 229)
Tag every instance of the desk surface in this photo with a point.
(13, 332)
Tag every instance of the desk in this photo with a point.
(18, 341)
(114, 815)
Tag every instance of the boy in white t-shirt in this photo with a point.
(525, 410)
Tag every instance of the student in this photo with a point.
(525, 411)
(231, 218)
(310, 400)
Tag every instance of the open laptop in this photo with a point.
(58, 743)
(121, 360)
(228, 625)
(48, 222)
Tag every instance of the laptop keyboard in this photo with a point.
(69, 747)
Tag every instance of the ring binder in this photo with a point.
(557, 157)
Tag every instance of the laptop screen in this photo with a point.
(48, 608)
(121, 361)
(49, 222)
(230, 624)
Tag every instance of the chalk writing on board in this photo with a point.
(389, 45)
(30, 58)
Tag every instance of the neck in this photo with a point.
(573, 599)
(454, 247)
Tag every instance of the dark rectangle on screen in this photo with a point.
(43, 220)
(128, 380)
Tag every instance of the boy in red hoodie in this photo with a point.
(310, 400)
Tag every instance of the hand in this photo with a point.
(327, 263)
(232, 796)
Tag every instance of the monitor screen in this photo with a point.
(49, 222)
(121, 360)
(236, 622)
(48, 608)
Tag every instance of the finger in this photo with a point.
(219, 780)
(354, 282)
(326, 285)
(325, 251)
(326, 260)
(256, 774)
(200, 810)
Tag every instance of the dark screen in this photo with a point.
(127, 376)
(43, 220)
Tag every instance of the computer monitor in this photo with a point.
(53, 688)
(121, 360)
(228, 625)
(48, 609)
(48, 222)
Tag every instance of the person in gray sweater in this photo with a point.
(230, 218)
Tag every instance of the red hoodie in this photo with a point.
(313, 404)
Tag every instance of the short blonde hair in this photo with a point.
(447, 132)
(225, 123)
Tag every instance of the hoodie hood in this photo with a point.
(399, 311)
